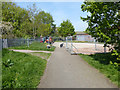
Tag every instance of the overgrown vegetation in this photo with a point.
(35, 46)
(66, 29)
(102, 62)
(20, 70)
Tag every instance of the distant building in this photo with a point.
(81, 36)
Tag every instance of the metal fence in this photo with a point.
(5, 43)
(85, 48)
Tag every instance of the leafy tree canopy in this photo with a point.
(27, 23)
(66, 29)
(104, 23)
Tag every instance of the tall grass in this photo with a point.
(20, 70)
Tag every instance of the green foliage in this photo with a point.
(18, 17)
(24, 73)
(44, 22)
(66, 29)
(44, 30)
(27, 23)
(103, 23)
(101, 62)
(35, 46)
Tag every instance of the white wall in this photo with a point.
(84, 38)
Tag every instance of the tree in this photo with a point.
(103, 23)
(66, 28)
(44, 29)
(17, 16)
(44, 22)
(33, 12)
(27, 23)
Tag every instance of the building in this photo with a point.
(81, 36)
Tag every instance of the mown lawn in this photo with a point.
(101, 62)
(35, 46)
(20, 70)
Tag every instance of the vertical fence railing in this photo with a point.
(97, 48)
(66, 43)
(70, 46)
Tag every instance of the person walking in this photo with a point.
(50, 40)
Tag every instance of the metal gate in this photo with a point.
(84, 48)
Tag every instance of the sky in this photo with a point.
(61, 11)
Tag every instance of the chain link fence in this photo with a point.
(85, 48)
(5, 43)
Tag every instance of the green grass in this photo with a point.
(102, 63)
(0, 69)
(80, 41)
(74, 41)
(42, 55)
(35, 46)
(20, 70)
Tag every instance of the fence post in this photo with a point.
(104, 47)
(95, 45)
(71, 46)
(2, 43)
(28, 42)
(66, 42)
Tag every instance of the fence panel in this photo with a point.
(16, 42)
(85, 48)
(5, 43)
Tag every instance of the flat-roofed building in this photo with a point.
(82, 36)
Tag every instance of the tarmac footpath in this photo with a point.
(71, 71)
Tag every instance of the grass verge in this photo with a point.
(74, 41)
(102, 63)
(35, 46)
(21, 70)
(42, 55)
(0, 69)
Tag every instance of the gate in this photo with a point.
(84, 48)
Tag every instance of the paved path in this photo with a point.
(30, 51)
(70, 71)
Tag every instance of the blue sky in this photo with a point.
(61, 11)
